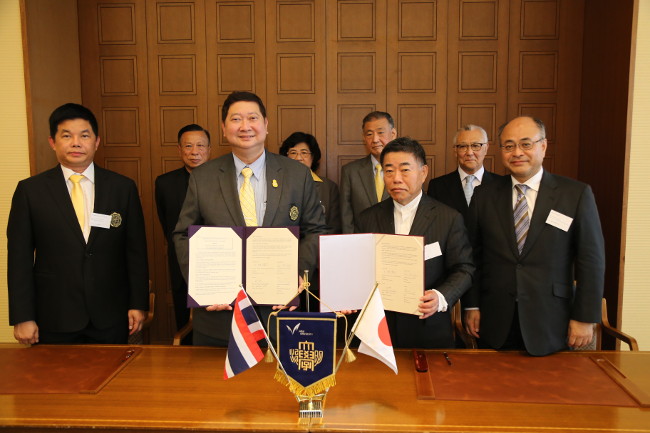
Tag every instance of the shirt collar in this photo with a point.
(408, 207)
(478, 175)
(257, 165)
(88, 173)
(532, 183)
(374, 162)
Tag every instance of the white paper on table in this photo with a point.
(215, 265)
(272, 265)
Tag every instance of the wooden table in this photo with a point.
(181, 388)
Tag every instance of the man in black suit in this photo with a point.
(284, 195)
(194, 150)
(455, 189)
(448, 255)
(77, 254)
(539, 251)
(362, 183)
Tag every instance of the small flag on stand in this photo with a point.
(372, 330)
(245, 332)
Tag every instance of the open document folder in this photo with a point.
(350, 265)
(262, 259)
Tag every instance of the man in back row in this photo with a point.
(362, 181)
(534, 235)
(194, 150)
(455, 189)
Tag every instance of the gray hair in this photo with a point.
(470, 127)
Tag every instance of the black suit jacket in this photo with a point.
(449, 273)
(170, 195)
(448, 189)
(541, 279)
(54, 276)
(212, 199)
(357, 191)
(331, 202)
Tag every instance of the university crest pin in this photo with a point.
(116, 219)
(293, 213)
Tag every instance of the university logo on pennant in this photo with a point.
(306, 347)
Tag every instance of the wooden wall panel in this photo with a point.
(177, 96)
(320, 67)
(478, 66)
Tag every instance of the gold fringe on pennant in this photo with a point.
(349, 355)
(268, 356)
(297, 389)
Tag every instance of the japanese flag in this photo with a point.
(372, 330)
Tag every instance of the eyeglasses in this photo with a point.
(303, 153)
(474, 146)
(523, 145)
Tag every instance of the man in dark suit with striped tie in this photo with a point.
(539, 252)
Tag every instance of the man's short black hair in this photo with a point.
(405, 144)
(71, 111)
(302, 137)
(376, 115)
(238, 97)
(192, 127)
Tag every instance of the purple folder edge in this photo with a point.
(243, 233)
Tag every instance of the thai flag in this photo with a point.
(245, 332)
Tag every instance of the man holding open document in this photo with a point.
(248, 187)
(447, 252)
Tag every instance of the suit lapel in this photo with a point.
(102, 194)
(504, 212)
(367, 179)
(423, 216)
(457, 192)
(228, 183)
(386, 223)
(273, 193)
(59, 191)
(543, 204)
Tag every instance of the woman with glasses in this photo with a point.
(304, 148)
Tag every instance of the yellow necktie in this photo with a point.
(77, 196)
(379, 182)
(247, 198)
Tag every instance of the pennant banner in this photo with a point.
(306, 348)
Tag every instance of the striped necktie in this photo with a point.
(522, 222)
(247, 198)
(379, 183)
(77, 196)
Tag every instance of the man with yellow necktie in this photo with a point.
(362, 181)
(248, 187)
(77, 254)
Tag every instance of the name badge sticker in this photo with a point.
(100, 220)
(561, 221)
(432, 250)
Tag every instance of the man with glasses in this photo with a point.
(539, 252)
(455, 189)
(194, 150)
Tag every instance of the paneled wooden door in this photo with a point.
(150, 67)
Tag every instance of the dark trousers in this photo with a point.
(117, 334)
